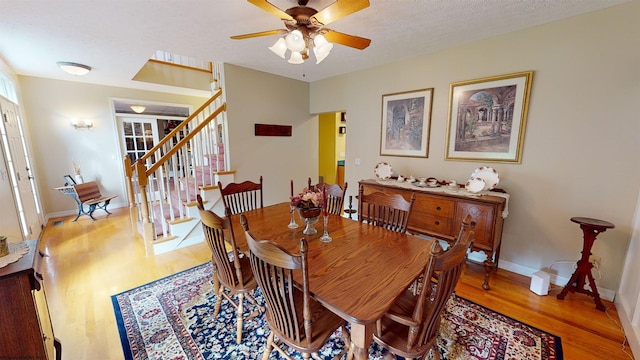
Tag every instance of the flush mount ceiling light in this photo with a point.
(139, 109)
(74, 68)
(305, 29)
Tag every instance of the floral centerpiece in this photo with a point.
(309, 203)
(308, 199)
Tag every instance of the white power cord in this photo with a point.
(574, 262)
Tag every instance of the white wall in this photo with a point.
(581, 142)
(628, 299)
(49, 106)
(255, 97)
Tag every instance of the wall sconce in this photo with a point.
(81, 124)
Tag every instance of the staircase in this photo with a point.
(163, 183)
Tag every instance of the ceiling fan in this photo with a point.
(305, 29)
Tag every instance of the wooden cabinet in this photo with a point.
(439, 214)
(25, 329)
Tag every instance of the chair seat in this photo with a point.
(395, 337)
(324, 323)
(394, 334)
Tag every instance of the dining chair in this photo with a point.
(241, 197)
(390, 211)
(294, 317)
(410, 327)
(335, 196)
(232, 276)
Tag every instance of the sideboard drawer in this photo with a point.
(430, 224)
(434, 206)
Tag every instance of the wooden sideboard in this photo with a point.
(25, 330)
(439, 214)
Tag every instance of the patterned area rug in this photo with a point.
(171, 319)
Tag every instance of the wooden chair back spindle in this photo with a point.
(390, 211)
(335, 196)
(241, 197)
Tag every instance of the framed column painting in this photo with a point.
(406, 123)
(487, 118)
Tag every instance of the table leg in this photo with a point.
(361, 337)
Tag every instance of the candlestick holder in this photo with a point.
(325, 236)
(292, 223)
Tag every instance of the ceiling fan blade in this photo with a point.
(338, 10)
(357, 42)
(270, 8)
(262, 33)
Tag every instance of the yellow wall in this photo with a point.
(341, 139)
(327, 160)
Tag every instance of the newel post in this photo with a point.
(148, 231)
(133, 206)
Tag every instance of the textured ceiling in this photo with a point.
(116, 37)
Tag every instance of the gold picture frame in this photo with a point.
(406, 123)
(487, 118)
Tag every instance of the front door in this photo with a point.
(19, 174)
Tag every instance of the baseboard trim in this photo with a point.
(606, 294)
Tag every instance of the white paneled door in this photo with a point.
(137, 136)
(17, 183)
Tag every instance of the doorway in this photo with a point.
(331, 147)
(24, 219)
(137, 136)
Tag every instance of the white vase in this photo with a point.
(79, 179)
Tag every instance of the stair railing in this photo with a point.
(161, 181)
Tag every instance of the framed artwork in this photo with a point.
(406, 123)
(487, 118)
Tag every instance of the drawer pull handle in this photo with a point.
(437, 222)
(438, 208)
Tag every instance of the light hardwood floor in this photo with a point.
(91, 260)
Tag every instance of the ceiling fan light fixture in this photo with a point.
(72, 68)
(295, 41)
(322, 48)
(138, 109)
(296, 58)
(279, 48)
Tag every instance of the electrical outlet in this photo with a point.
(595, 261)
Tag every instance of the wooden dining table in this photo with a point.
(357, 275)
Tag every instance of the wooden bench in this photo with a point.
(89, 194)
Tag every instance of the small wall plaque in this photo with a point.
(272, 130)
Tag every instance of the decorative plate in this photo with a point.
(475, 185)
(383, 171)
(488, 175)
